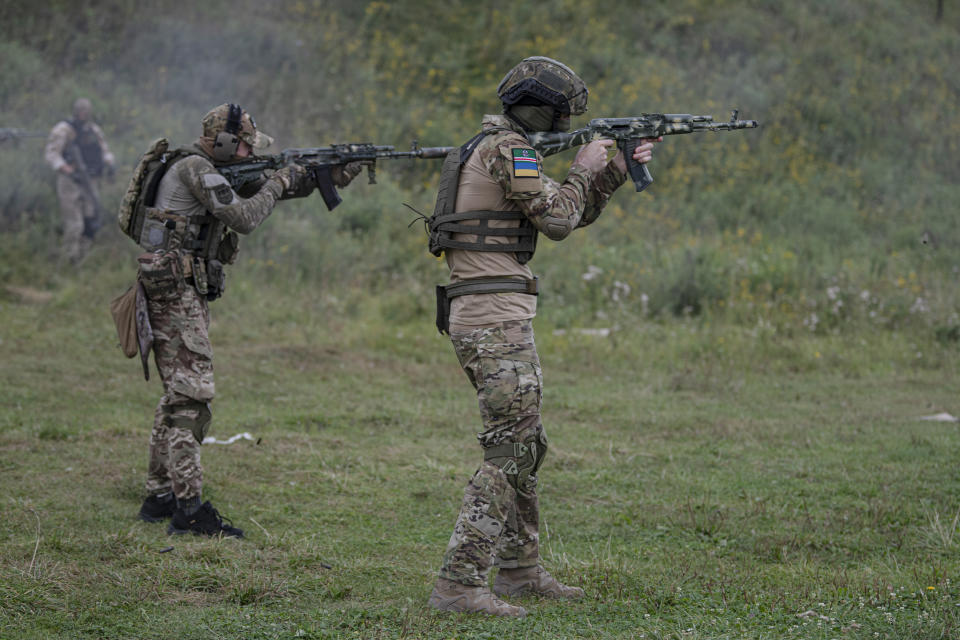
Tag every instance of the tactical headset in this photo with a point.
(227, 142)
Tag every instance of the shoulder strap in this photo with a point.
(470, 145)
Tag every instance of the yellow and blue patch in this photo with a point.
(525, 163)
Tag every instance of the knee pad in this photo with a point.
(174, 416)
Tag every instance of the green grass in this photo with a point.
(704, 480)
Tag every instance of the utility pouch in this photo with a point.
(229, 248)
(199, 269)
(443, 310)
(216, 279)
(161, 275)
(123, 310)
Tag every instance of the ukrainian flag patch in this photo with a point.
(525, 163)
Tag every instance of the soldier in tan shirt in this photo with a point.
(493, 202)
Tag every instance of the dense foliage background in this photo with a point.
(743, 458)
(838, 212)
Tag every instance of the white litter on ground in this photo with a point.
(941, 417)
(230, 440)
(603, 333)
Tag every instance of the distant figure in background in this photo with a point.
(78, 152)
(493, 201)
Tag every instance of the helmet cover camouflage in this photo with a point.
(216, 121)
(546, 80)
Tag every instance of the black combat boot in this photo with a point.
(205, 520)
(158, 507)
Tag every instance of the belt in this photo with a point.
(493, 285)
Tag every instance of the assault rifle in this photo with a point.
(7, 133)
(318, 161)
(628, 131)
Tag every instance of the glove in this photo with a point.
(288, 176)
(297, 182)
(342, 176)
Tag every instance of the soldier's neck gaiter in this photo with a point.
(532, 118)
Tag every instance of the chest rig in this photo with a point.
(88, 145)
(201, 242)
(446, 221)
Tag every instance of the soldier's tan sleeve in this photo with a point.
(104, 148)
(553, 207)
(60, 136)
(243, 215)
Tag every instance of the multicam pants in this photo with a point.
(75, 206)
(185, 360)
(499, 516)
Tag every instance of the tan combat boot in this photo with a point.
(452, 596)
(535, 580)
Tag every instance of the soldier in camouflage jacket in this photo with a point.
(491, 303)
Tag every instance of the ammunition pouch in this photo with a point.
(477, 286)
(206, 276)
(216, 279)
(229, 248)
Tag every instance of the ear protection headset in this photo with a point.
(227, 142)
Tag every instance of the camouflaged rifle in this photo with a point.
(318, 161)
(16, 134)
(628, 132)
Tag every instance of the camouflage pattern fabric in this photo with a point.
(185, 360)
(487, 181)
(580, 198)
(179, 316)
(215, 121)
(498, 520)
(76, 205)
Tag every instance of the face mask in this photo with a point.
(534, 118)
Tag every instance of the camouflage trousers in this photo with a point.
(75, 207)
(499, 517)
(185, 361)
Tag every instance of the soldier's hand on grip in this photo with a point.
(593, 156)
(342, 176)
(642, 154)
(290, 176)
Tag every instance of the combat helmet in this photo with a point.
(227, 125)
(547, 81)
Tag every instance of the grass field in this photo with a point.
(704, 480)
